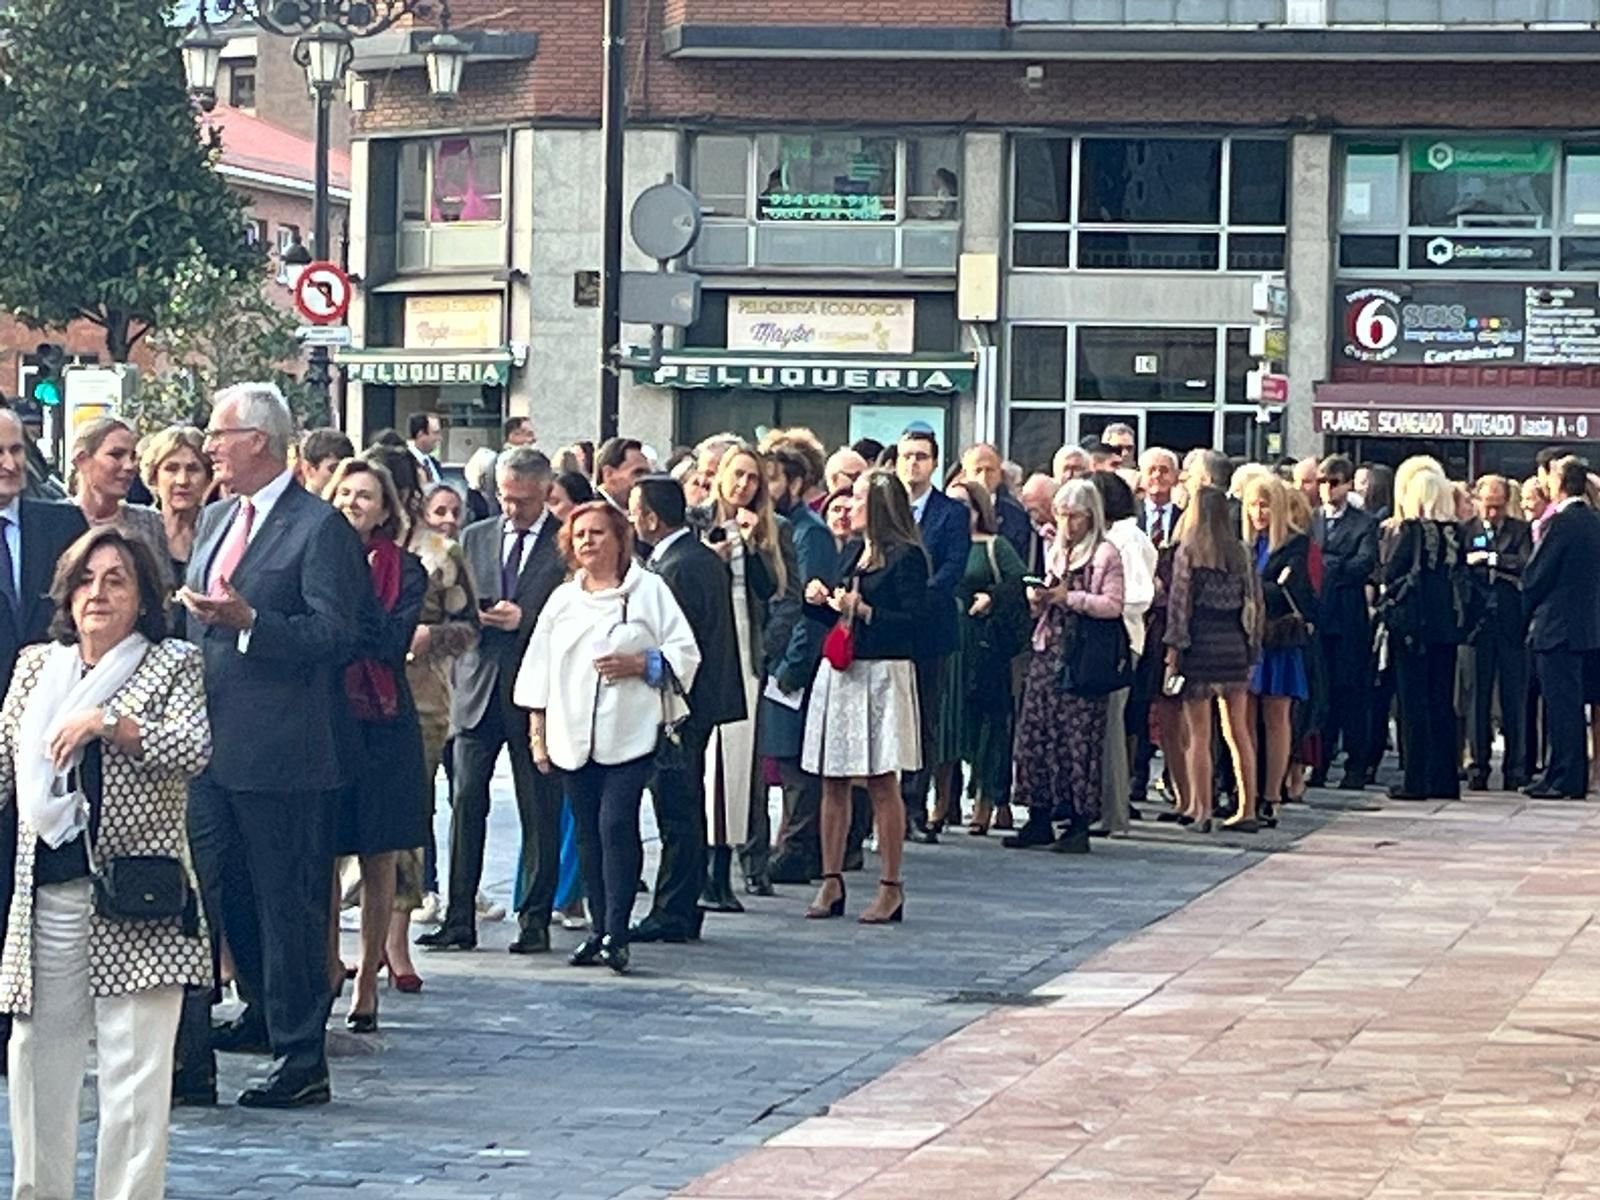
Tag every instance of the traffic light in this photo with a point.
(47, 387)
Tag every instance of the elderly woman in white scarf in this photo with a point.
(99, 735)
(1062, 731)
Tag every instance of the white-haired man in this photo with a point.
(277, 593)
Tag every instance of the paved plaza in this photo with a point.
(1393, 1004)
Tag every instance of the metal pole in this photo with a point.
(612, 120)
(319, 372)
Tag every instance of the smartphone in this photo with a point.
(485, 604)
(1174, 684)
(1032, 581)
(719, 534)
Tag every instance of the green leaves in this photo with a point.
(110, 190)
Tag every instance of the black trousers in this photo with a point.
(605, 809)
(680, 802)
(1425, 682)
(265, 865)
(1561, 683)
(538, 810)
(914, 784)
(1500, 659)
(755, 856)
(800, 840)
(1349, 716)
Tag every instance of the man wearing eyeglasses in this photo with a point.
(1349, 541)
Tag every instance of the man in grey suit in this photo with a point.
(277, 593)
(515, 566)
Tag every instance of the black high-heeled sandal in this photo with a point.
(836, 909)
(897, 915)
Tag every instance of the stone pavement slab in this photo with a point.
(1402, 1008)
(516, 1077)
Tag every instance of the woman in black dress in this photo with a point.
(1423, 612)
(383, 810)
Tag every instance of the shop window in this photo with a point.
(1581, 197)
(1038, 362)
(451, 194)
(1034, 436)
(1149, 204)
(1372, 187)
(1462, 183)
(854, 201)
(1146, 365)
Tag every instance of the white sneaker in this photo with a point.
(488, 910)
(574, 922)
(431, 911)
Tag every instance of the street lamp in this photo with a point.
(325, 32)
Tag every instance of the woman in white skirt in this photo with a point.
(747, 533)
(863, 721)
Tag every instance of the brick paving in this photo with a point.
(513, 1077)
(1402, 1009)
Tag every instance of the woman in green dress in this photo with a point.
(975, 716)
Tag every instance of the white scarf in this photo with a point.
(46, 804)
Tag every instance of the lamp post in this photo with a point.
(325, 32)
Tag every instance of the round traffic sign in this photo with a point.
(322, 293)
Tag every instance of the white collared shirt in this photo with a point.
(508, 539)
(263, 502)
(920, 505)
(1159, 516)
(430, 473)
(661, 546)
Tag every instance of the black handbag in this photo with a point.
(143, 887)
(1098, 658)
(669, 755)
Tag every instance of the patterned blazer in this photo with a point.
(142, 811)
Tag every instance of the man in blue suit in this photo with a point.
(947, 535)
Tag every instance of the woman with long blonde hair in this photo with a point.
(758, 546)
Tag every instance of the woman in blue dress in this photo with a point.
(1279, 678)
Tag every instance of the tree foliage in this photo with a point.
(109, 191)
(220, 328)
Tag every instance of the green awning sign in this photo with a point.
(1509, 156)
(889, 375)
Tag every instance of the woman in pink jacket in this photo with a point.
(1061, 735)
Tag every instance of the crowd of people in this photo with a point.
(228, 707)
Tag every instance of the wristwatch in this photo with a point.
(108, 723)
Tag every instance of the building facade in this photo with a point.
(1018, 221)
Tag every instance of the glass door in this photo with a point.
(1092, 422)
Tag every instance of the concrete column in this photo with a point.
(519, 398)
(360, 163)
(1311, 267)
(983, 225)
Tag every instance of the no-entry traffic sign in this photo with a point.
(322, 293)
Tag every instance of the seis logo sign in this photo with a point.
(1371, 324)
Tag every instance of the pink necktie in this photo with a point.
(233, 549)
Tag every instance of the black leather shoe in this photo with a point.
(614, 954)
(1076, 842)
(532, 940)
(362, 1022)
(1544, 793)
(1399, 793)
(1033, 833)
(289, 1088)
(1477, 783)
(1353, 783)
(655, 929)
(587, 954)
(758, 885)
(920, 831)
(445, 938)
(194, 1091)
(240, 1037)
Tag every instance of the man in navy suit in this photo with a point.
(1561, 597)
(278, 591)
(947, 535)
(982, 464)
(423, 443)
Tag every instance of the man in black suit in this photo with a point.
(515, 566)
(1561, 597)
(1349, 541)
(947, 534)
(982, 464)
(1158, 516)
(424, 440)
(277, 593)
(1498, 548)
(703, 586)
(33, 534)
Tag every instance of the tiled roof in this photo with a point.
(251, 144)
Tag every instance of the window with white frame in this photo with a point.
(1134, 203)
(1449, 204)
(852, 199)
(288, 238)
(451, 196)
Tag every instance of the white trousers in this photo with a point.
(133, 1037)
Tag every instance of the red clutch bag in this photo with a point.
(839, 647)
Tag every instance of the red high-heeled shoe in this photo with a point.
(410, 982)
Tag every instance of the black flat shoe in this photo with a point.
(1399, 793)
(1071, 843)
(1268, 816)
(531, 941)
(1032, 834)
(758, 885)
(362, 1022)
(654, 929)
(614, 955)
(445, 938)
(289, 1089)
(240, 1037)
(587, 954)
(835, 909)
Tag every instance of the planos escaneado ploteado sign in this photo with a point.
(906, 374)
